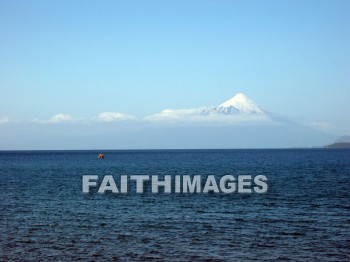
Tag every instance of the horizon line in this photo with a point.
(169, 149)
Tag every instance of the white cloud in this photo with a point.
(205, 114)
(195, 115)
(175, 114)
(4, 120)
(114, 116)
(321, 126)
(103, 117)
(61, 118)
(56, 119)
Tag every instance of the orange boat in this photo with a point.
(101, 156)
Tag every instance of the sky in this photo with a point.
(82, 58)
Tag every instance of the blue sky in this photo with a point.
(82, 58)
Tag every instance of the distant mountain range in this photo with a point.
(237, 123)
(339, 145)
(343, 139)
(342, 142)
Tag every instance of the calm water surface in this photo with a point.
(305, 215)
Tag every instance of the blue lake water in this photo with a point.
(305, 215)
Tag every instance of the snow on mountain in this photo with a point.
(240, 103)
(237, 109)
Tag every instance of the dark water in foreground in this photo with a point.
(305, 215)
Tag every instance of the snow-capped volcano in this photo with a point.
(243, 104)
(240, 103)
(238, 109)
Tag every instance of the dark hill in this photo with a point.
(339, 145)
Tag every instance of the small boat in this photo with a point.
(101, 156)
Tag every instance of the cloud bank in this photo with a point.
(114, 116)
(239, 109)
(237, 123)
(4, 120)
(56, 119)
